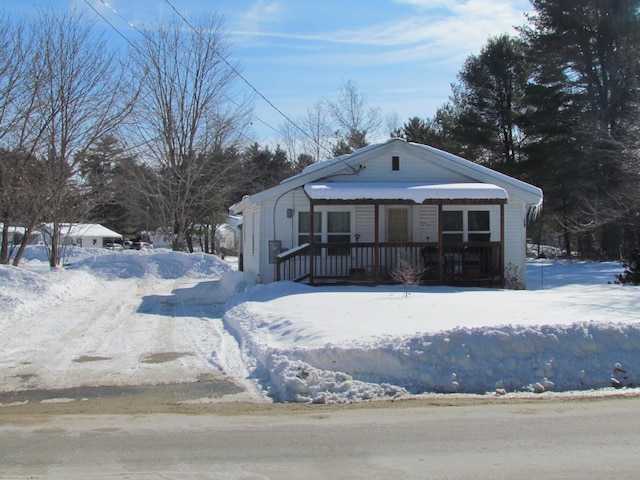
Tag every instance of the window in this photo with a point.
(452, 226)
(395, 164)
(304, 227)
(469, 226)
(338, 231)
(328, 227)
(479, 229)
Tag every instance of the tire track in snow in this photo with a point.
(107, 335)
(199, 305)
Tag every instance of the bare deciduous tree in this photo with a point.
(187, 111)
(63, 94)
(406, 273)
(354, 118)
(15, 110)
(85, 97)
(312, 135)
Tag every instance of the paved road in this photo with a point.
(538, 439)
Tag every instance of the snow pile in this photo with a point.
(23, 292)
(297, 381)
(557, 358)
(159, 263)
(571, 331)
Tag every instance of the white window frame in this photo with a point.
(324, 219)
(465, 220)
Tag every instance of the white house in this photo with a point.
(16, 234)
(358, 218)
(83, 234)
(227, 235)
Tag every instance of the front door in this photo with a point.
(398, 224)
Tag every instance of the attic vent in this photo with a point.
(395, 164)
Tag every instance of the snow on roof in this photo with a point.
(531, 194)
(12, 229)
(88, 230)
(417, 192)
(234, 221)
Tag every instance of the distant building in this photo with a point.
(91, 235)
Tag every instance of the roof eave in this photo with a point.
(531, 194)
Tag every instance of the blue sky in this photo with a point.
(402, 54)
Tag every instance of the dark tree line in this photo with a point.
(557, 106)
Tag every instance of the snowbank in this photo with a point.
(573, 330)
(23, 292)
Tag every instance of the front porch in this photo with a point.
(469, 246)
(456, 263)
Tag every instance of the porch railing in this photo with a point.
(476, 263)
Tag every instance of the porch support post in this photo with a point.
(440, 246)
(502, 245)
(312, 257)
(376, 243)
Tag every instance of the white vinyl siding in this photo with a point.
(365, 223)
(250, 259)
(427, 224)
(515, 232)
(379, 170)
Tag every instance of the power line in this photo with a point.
(135, 47)
(222, 57)
(235, 70)
(110, 24)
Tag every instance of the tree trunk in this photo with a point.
(610, 241)
(54, 257)
(4, 248)
(206, 229)
(189, 242)
(566, 237)
(23, 243)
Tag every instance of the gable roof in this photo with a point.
(83, 230)
(88, 230)
(351, 163)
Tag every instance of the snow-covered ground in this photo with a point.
(149, 317)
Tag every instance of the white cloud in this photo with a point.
(439, 29)
(461, 24)
(260, 13)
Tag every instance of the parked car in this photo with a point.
(127, 244)
(142, 246)
(113, 246)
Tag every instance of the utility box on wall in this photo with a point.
(274, 250)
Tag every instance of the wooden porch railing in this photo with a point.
(472, 263)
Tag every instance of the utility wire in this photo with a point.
(134, 46)
(110, 24)
(235, 70)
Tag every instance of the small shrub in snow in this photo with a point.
(406, 273)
